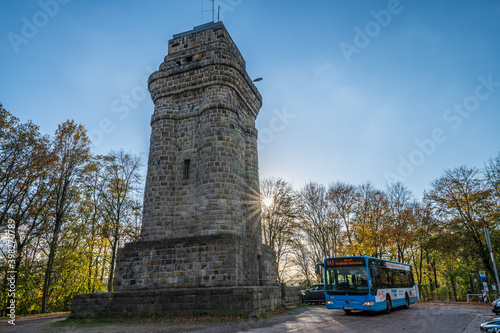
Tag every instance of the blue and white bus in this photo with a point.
(369, 284)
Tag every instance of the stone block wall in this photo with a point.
(203, 261)
(290, 294)
(247, 301)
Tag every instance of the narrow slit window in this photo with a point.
(259, 270)
(187, 169)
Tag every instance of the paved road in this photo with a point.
(29, 324)
(421, 317)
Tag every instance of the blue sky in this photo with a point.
(353, 91)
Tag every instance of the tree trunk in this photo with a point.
(112, 266)
(103, 266)
(454, 287)
(3, 291)
(50, 264)
(435, 273)
(419, 275)
(91, 254)
(425, 293)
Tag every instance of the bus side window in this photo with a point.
(375, 280)
(412, 280)
(373, 273)
(406, 279)
(396, 275)
(386, 277)
(382, 277)
(401, 279)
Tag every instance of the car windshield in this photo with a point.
(316, 287)
(346, 280)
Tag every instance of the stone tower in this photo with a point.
(200, 249)
(202, 171)
(201, 222)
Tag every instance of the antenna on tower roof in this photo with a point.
(205, 11)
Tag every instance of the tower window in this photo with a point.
(187, 169)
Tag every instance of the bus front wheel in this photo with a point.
(407, 301)
(388, 304)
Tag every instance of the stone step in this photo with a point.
(290, 305)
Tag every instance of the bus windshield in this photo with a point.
(349, 280)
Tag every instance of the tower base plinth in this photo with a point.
(222, 260)
(247, 301)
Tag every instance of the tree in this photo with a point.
(425, 230)
(90, 216)
(303, 259)
(23, 156)
(64, 207)
(119, 201)
(343, 198)
(370, 217)
(401, 206)
(278, 217)
(321, 231)
(492, 171)
(71, 148)
(462, 201)
(23, 192)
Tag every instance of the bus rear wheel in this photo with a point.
(388, 304)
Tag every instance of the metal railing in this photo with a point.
(479, 297)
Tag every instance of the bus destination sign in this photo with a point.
(345, 262)
(397, 266)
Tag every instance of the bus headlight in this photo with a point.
(368, 303)
(329, 302)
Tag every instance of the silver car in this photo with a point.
(492, 326)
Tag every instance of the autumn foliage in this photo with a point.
(70, 211)
(442, 236)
